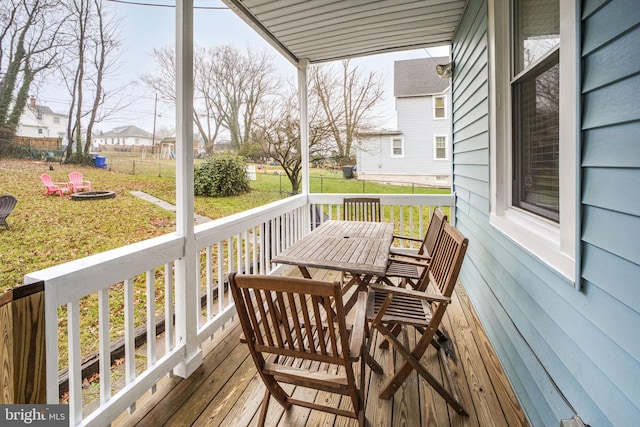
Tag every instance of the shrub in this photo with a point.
(221, 176)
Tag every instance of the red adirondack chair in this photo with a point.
(77, 183)
(51, 187)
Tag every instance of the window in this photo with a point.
(56, 120)
(39, 131)
(440, 147)
(535, 112)
(397, 147)
(439, 109)
(39, 116)
(533, 115)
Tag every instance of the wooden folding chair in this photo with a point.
(297, 334)
(409, 267)
(361, 209)
(422, 309)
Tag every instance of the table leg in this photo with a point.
(305, 272)
(362, 284)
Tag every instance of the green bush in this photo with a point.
(221, 176)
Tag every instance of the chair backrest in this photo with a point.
(75, 177)
(46, 180)
(361, 209)
(293, 317)
(7, 203)
(434, 231)
(446, 261)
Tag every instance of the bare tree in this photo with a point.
(163, 82)
(278, 132)
(29, 45)
(347, 97)
(93, 42)
(229, 86)
(241, 83)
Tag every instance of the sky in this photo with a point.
(145, 27)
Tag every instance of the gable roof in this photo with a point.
(125, 131)
(328, 30)
(43, 109)
(418, 77)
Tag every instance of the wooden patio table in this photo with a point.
(357, 247)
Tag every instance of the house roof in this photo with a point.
(327, 30)
(418, 77)
(126, 131)
(43, 109)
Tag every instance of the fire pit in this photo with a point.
(93, 195)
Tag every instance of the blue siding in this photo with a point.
(563, 349)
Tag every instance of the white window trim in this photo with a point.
(446, 148)
(397, 156)
(433, 100)
(552, 243)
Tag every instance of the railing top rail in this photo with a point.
(387, 199)
(231, 225)
(100, 270)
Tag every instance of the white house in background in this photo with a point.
(39, 121)
(123, 136)
(419, 151)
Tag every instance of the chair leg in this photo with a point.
(412, 362)
(395, 330)
(366, 353)
(264, 408)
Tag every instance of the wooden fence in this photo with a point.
(38, 143)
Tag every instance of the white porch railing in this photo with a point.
(136, 284)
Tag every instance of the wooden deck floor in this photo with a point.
(226, 390)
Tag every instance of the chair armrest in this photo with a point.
(395, 253)
(408, 262)
(410, 293)
(357, 332)
(412, 239)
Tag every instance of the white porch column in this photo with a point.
(186, 286)
(303, 90)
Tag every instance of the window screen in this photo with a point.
(535, 95)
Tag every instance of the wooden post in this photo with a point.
(22, 349)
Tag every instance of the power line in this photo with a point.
(135, 3)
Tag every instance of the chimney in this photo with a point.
(32, 101)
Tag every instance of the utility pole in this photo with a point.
(153, 137)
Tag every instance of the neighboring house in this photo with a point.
(39, 121)
(420, 150)
(123, 136)
(222, 145)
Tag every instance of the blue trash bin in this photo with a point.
(101, 162)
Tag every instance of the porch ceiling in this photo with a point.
(327, 30)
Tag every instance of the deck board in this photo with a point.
(227, 391)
